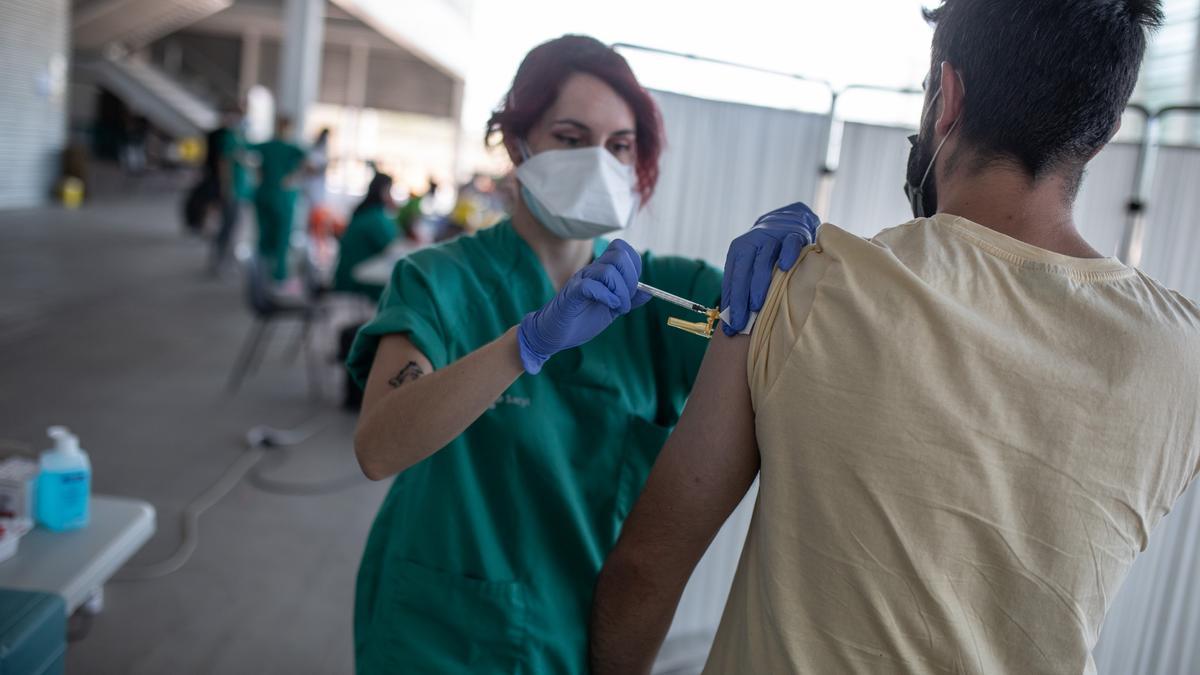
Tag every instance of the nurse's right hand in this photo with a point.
(591, 300)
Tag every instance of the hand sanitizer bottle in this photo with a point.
(64, 484)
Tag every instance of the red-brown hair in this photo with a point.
(541, 76)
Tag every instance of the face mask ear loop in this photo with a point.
(524, 148)
(938, 151)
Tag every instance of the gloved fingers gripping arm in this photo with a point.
(776, 240)
(789, 254)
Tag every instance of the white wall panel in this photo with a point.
(33, 107)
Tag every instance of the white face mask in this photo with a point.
(578, 193)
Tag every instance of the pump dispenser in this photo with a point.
(64, 484)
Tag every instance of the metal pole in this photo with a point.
(1134, 238)
(823, 200)
(300, 61)
(1130, 250)
(833, 143)
(732, 64)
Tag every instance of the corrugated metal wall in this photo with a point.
(33, 92)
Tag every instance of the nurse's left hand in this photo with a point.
(591, 300)
(776, 239)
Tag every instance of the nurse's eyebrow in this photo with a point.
(575, 123)
(587, 130)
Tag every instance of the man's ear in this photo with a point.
(952, 98)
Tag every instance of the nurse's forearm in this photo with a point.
(420, 414)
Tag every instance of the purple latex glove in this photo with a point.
(776, 239)
(585, 306)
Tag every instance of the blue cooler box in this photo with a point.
(33, 633)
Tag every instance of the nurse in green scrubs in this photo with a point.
(370, 231)
(519, 391)
(275, 201)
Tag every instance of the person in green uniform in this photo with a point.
(519, 386)
(280, 160)
(370, 231)
(226, 161)
(413, 209)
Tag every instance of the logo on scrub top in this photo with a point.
(508, 399)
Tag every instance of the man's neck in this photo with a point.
(1005, 200)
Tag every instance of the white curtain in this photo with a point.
(1104, 197)
(1153, 627)
(728, 163)
(868, 189)
(725, 165)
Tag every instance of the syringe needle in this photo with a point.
(672, 298)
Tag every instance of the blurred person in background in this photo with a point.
(416, 208)
(324, 226)
(227, 163)
(514, 395)
(476, 206)
(317, 164)
(280, 167)
(223, 184)
(372, 228)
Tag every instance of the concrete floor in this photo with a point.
(108, 325)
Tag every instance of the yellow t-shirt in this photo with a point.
(965, 441)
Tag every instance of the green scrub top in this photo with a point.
(368, 234)
(279, 160)
(483, 557)
(234, 147)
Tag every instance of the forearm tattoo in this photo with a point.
(407, 374)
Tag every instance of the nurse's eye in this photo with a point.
(622, 150)
(569, 141)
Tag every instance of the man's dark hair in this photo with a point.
(1046, 80)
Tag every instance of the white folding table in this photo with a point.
(76, 564)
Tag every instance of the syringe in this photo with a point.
(672, 298)
(702, 328)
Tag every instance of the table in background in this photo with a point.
(377, 271)
(76, 564)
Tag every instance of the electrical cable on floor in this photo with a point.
(258, 440)
(277, 438)
(190, 521)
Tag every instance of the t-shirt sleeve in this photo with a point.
(788, 308)
(408, 307)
